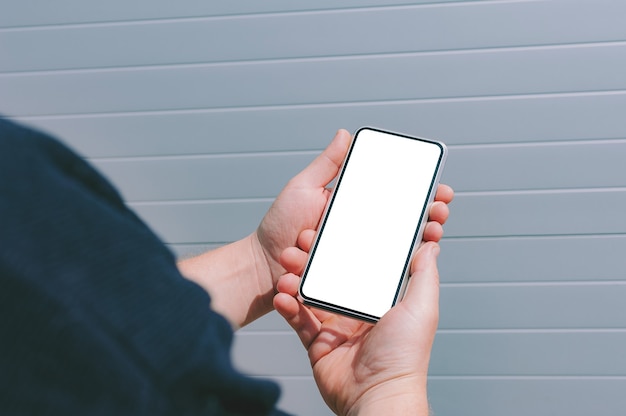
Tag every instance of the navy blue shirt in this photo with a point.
(95, 318)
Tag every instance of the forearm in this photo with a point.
(237, 277)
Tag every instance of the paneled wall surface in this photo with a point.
(201, 111)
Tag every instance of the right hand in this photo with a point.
(362, 368)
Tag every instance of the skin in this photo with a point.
(242, 276)
(360, 368)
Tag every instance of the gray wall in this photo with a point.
(201, 111)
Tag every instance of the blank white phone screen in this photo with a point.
(366, 239)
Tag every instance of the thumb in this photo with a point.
(326, 165)
(422, 295)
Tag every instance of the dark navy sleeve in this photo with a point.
(95, 318)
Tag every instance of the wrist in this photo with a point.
(404, 397)
(268, 267)
(265, 274)
(238, 278)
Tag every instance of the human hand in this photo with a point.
(362, 368)
(300, 204)
(241, 276)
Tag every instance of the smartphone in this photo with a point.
(359, 262)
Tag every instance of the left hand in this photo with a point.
(241, 277)
(300, 204)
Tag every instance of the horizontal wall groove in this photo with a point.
(342, 104)
(542, 143)
(534, 237)
(540, 237)
(540, 191)
(248, 15)
(310, 59)
(545, 331)
(197, 156)
(287, 153)
(458, 194)
(537, 284)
